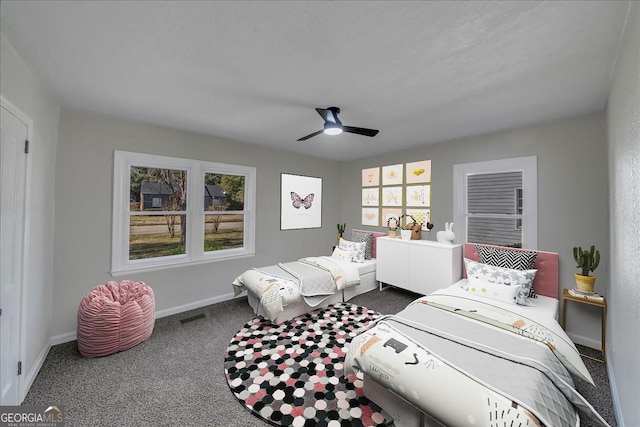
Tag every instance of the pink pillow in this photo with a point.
(114, 317)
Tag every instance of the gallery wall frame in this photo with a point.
(371, 177)
(392, 174)
(300, 202)
(371, 196)
(392, 196)
(390, 213)
(371, 216)
(418, 172)
(420, 215)
(418, 195)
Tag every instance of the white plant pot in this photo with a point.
(406, 234)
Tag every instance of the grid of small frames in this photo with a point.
(395, 190)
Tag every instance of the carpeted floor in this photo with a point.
(176, 378)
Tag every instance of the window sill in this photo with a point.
(180, 263)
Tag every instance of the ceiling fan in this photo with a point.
(333, 125)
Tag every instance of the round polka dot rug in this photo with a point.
(291, 374)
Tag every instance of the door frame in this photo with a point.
(10, 107)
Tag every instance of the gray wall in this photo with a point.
(623, 329)
(572, 193)
(83, 194)
(24, 91)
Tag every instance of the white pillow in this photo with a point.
(342, 254)
(504, 276)
(495, 291)
(358, 249)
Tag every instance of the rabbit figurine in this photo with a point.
(446, 235)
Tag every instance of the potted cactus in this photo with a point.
(586, 260)
(341, 228)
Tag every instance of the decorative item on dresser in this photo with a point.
(411, 230)
(586, 261)
(416, 231)
(392, 224)
(446, 235)
(429, 227)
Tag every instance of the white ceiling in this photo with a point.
(253, 71)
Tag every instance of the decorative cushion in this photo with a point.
(514, 259)
(115, 317)
(342, 254)
(363, 236)
(492, 290)
(358, 249)
(503, 276)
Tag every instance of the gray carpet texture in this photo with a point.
(176, 377)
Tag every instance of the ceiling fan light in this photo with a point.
(332, 129)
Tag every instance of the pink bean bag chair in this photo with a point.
(113, 317)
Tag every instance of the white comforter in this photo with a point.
(310, 279)
(449, 353)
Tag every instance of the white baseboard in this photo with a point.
(71, 336)
(63, 338)
(33, 372)
(588, 342)
(192, 306)
(614, 394)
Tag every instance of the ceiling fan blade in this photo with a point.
(329, 114)
(311, 135)
(360, 131)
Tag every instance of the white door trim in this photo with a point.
(9, 106)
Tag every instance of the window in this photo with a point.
(518, 202)
(170, 211)
(484, 207)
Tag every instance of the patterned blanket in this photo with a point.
(451, 361)
(312, 279)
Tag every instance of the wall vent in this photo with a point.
(192, 318)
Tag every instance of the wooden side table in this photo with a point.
(566, 296)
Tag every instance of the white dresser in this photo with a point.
(420, 266)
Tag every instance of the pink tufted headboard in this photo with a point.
(546, 280)
(374, 245)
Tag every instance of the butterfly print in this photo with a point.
(297, 201)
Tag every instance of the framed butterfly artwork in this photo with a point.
(300, 202)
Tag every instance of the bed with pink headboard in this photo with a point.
(546, 280)
(376, 235)
(442, 359)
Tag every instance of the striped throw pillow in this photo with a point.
(505, 258)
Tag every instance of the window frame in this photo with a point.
(194, 248)
(526, 165)
(519, 203)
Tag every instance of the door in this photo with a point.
(13, 134)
